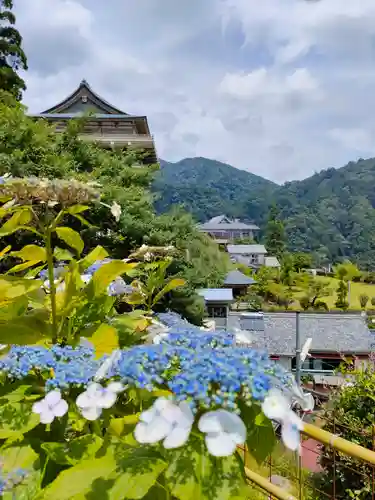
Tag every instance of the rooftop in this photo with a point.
(223, 223)
(237, 278)
(246, 249)
(216, 294)
(330, 332)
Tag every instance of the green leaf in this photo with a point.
(77, 209)
(99, 253)
(22, 331)
(123, 425)
(140, 470)
(107, 273)
(17, 394)
(12, 287)
(23, 266)
(14, 309)
(17, 221)
(5, 251)
(62, 254)
(34, 272)
(105, 340)
(22, 457)
(261, 437)
(16, 419)
(31, 252)
(71, 238)
(73, 452)
(79, 479)
(172, 285)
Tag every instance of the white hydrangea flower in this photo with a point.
(92, 401)
(159, 338)
(116, 211)
(276, 407)
(50, 407)
(165, 421)
(224, 432)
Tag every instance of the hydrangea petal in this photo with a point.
(187, 417)
(177, 437)
(47, 416)
(52, 398)
(220, 444)
(155, 431)
(60, 408)
(107, 399)
(233, 425)
(84, 400)
(39, 407)
(91, 412)
(148, 415)
(210, 422)
(275, 405)
(290, 431)
(116, 387)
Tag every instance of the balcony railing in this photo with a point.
(132, 140)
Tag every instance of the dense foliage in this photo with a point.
(32, 148)
(351, 415)
(330, 214)
(12, 57)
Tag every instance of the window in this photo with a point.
(217, 311)
(325, 364)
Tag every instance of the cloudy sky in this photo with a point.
(281, 88)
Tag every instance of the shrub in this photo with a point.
(363, 299)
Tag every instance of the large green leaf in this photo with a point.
(62, 254)
(192, 473)
(172, 285)
(12, 287)
(98, 253)
(16, 419)
(14, 309)
(31, 252)
(79, 479)
(73, 452)
(4, 251)
(140, 468)
(77, 209)
(261, 437)
(23, 330)
(22, 457)
(104, 340)
(71, 238)
(23, 266)
(107, 273)
(17, 221)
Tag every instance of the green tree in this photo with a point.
(30, 148)
(12, 57)
(275, 238)
(363, 299)
(347, 271)
(314, 290)
(342, 295)
(301, 261)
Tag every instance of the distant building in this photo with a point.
(224, 230)
(238, 282)
(218, 301)
(253, 256)
(334, 335)
(107, 125)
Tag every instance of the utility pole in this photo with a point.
(298, 350)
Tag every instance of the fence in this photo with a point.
(329, 467)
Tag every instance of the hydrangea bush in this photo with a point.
(162, 420)
(89, 411)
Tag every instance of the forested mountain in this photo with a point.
(330, 213)
(207, 188)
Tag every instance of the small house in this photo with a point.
(218, 301)
(238, 282)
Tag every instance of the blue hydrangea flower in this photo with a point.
(12, 479)
(97, 265)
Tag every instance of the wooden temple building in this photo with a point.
(105, 124)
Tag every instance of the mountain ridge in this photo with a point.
(331, 213)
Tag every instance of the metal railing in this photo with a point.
(338, 447)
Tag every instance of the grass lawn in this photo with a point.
(356, 289)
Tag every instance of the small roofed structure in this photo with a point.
(253, 256)
(217, 302)
(238, 282)
(223, 228)
(105, 124)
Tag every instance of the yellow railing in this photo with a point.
(335, 442)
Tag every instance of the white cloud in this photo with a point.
(280, 88)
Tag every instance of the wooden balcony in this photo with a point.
(130, 141)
